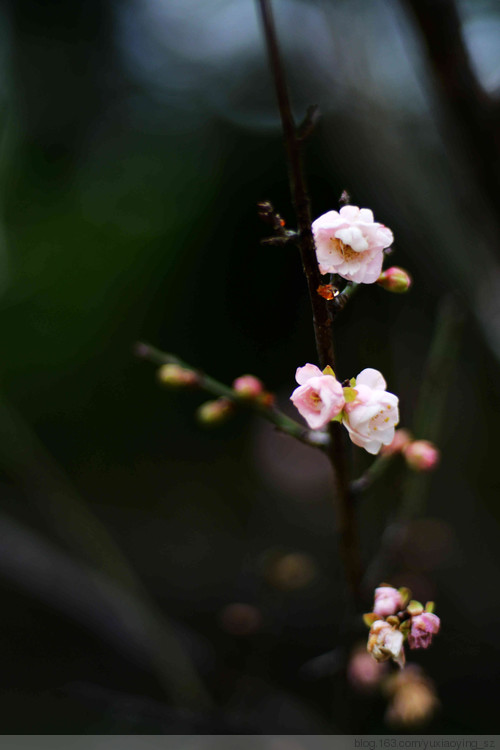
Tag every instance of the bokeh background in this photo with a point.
(136, 139)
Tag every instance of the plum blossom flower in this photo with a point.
(388, 601)
(371, 418)
(386, 642)
(349, 242)
(423, 628)
(319, 397)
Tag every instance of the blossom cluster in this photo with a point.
(365, 408)
(397, 618)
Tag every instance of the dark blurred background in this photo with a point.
(136, 139)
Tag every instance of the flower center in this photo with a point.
(346, 251)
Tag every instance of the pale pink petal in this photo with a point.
(365, 214)
(372, 378)
(353, 237)
(349, 213)
(304, 374)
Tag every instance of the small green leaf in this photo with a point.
(352, 382)
(328, 371)
(405, 626)
(350, 395)
(405, 596)
(429, 607)
(415, 608)
(370, 618)
(338, 418)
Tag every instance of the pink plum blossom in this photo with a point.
(388, 601)
(349, 242)
(386, 642)
(371, 418)
(421, 455)
(423, 628)
(319, 397)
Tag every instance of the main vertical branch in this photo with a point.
(346, 515)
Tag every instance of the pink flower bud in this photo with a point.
(401, 439)
(388, 601)
(386, 642)
(319, 397)
(177, 376)
(215, 412)
(363, 672)
(421, 455)
(423, 628)
(395, 279)
(248, 386)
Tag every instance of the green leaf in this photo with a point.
(405, 596)
(328, 371)
(415, 608)
(350, 394)
(370, 618)
(352, 382)
(429, 607)
(338, 418)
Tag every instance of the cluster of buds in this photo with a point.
(246, 388)
(397, 618)
(362, 404)
(420, 455)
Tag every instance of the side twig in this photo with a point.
(281, 421)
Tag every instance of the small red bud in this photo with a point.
(395, 279)
(421, 455)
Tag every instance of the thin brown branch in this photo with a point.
(346, 515)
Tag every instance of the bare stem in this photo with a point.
(322, 318)
(283, 423)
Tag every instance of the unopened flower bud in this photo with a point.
(421, 455)
(387, 601)
(395, 279)
(423, 628)
(177, 376)
(363, 672)
(215, 412)
(248, 386)
(402, 438)
(386, 642)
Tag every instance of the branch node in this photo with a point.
(308, 124)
